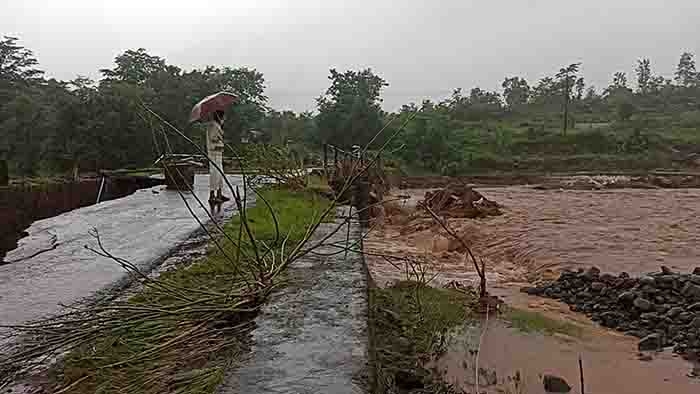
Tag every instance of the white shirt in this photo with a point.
(215, 137)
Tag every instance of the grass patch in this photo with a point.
(528, 321)
(209, 314)
(409, 324)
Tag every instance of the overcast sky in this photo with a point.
(424, 49)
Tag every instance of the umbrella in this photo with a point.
(210, 104)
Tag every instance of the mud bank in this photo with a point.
(569, 181)
(20, 206)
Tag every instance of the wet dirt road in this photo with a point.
(141, 228)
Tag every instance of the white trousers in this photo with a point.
(216, 180)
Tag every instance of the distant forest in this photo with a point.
(558, 123)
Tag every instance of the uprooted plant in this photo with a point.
(185, 326)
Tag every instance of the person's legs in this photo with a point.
(220, 186)
(214, 175)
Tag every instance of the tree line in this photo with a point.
(51, 126)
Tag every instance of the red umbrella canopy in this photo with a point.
(204, 109)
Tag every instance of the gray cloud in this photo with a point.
(422, 48)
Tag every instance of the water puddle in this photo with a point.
(511, 361)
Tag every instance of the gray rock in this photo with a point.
(607, 278)
(626, 297)
(663, 308)
(685, 317)
(597, 286)
(694, 307)
(695, 323)
(691, 290)
(610, 319)
(696, 271)
(555, 384)
(653, 316)
(675, 311)
(665, 270)
(645, 357)
(650, 342)
(647, 281)
(665, 281)
(643, 304)
(695, 279)
(592, 273)
(531, 290)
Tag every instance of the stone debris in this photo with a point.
(460, 201)
(661, 308)
(555, 384)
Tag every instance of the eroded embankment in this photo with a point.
(21, 205)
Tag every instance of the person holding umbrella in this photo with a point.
(211, 110)
(215, 151)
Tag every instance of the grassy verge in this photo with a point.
(408, 325)
(528, 321)
(208, 315)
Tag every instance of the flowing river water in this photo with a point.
(540, 233)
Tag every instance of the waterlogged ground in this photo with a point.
(540, 233)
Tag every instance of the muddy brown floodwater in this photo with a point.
(543, 231)
(629, 230)
(540, 233)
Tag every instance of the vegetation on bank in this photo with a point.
(531, 321)
(408, 326)
(207, 313)
(557, 123)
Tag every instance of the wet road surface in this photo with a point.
(141, 228)
(311, 337)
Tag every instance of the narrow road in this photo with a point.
(141, 228)
(311, 337)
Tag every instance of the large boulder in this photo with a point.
(643, 304)
(555, 384)
(695, 323)
(691, 290)
(651, 342)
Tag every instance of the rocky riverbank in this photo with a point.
(661, 308)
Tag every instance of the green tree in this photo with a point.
(567, 78)
(625, 109)
(644, 77)
(17, 64)
(134, 66)
(546, 94)
(579, 88)
(516, 92)
(350, 110)
(686, 75)
(618, 85)
(19, 106)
